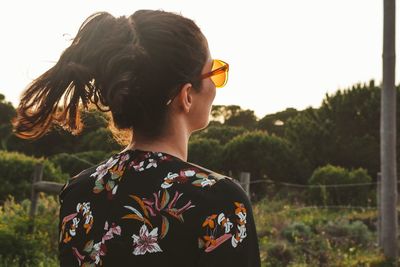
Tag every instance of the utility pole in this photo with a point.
(388, 134)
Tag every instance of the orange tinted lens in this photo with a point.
(220, 78)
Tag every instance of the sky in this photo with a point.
(282, 53)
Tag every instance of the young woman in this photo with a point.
(146, 205)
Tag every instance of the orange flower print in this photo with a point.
(210, 241)
(210, 221)
(240, 211)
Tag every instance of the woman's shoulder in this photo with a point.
(212, 187)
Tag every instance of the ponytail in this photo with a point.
(130, 66)
(71, 81)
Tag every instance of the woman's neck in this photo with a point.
(175, 144)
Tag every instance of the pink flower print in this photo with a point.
(123, 159)
(146, 242)
(138, 166)
(102, 170)
(114, 229)
(78, 255)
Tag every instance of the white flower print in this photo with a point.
(225, 222)
(103, 169)
(242, 216)
(110, 233)
(168, 181)
(75, 223)
(139, 167)
(84, 207)
(152, 163)
(96, 252)
(189, 173)
(146, 242)
(206, 182)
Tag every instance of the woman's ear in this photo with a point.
(185, 97)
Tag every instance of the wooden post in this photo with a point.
(245, 182)
(37, 177)
(378, 205)
(388, 134)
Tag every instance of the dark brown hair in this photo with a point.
(130, 66)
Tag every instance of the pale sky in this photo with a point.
(282, 53)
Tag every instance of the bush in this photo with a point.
(75, 163)
(19, 247)
(279, 254)
(349, 234)
(206, 152)
(297, 232)
(16, 172)
(331, 175)
(222, 133)
(264, 156)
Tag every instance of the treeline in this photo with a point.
(293, 146)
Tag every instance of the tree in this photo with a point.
(7, 112)
(276, 123)
(222, 133)
(234, 115)
(344, 131)
(264, 156)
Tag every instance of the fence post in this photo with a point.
(245, 182)
(379, 215)
(37, 177)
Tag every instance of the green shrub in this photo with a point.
(20, 247)
(16, 172)
(279, 254)
(264, 156)
(349, 234)
(206, 152)
(297, 231)
(75, 163)
(222, 133)
(340, 195)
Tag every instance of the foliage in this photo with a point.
(344, 131)
(276, 123)
(94, 136)
(338, 195)
(222, 133)
(234, 115)
(264, 156)
(296, 231)
(279, 254)
(16, 172)
(19, 246)
(357, 234)
(75, 163)
(206, 152)
(7, 112)
(330, 237)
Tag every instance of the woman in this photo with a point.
(144, 206)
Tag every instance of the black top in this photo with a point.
(144, 208)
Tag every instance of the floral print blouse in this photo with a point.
(144, 208)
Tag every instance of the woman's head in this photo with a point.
(130, 65)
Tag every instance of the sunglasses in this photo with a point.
(218, 75)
